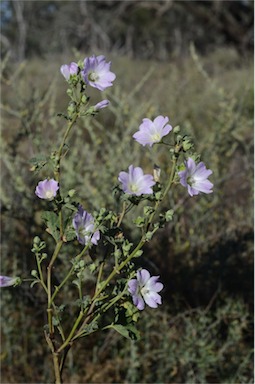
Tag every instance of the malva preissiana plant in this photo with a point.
(120, 291)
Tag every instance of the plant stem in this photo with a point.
(93, 302)
(49, 270)
(40, 272)
(60, 150)
(57, 368)
(55, 358)
(68, 339)
(57, 289)
(171, 178)
(122, 214)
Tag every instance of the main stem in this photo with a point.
(58, 379)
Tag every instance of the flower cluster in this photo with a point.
(67, 220)
(95, 72)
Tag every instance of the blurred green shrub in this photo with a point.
(194, 346)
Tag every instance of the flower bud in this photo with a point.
(6, 281)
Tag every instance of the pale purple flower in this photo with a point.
(47, 189)
(144, 289)
(151, 132)
(102, 104)
(194, 177)
(97, 72)
(83, 223)
(134, 182)
(6, 281)
(68, 70)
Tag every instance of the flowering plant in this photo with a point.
(96, 243)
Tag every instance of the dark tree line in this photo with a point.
(144, 29)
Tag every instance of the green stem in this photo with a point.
(60, 150)
(76, 324)
(117, 270)
(104, 308)
(122, 214)
(49, 271)
(90, 310)
(57, 289)
(171, 178)
(168, 186)
(40, 273)
(57, 368)
(55, 358)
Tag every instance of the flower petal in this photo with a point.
(143, 276)
(133, 286)
(152, 299)
(138, 302)
(153, 284)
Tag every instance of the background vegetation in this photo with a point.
(191, 61)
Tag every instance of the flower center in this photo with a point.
(49, 194)
(83, 232)
(93, 76)
(144, 290)
(156, 137)
(133, 188)
(190, 180)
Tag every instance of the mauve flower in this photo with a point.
(97, 72)
(194, 177)
(68, 70)
(83, 223)
(47, 189)
(102, 104)
(145, 288)
(134, 182)
(6, 281)
(151, 132)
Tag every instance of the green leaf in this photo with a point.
(139, 221)
(138, 253)
(126, 247)
(148, 210)
(71, 206)
(71, 193)
(38, 162)
(149, 235)
(129, 331)
(51, 220)
(55, 321)
(70, 234)
(169, 215)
